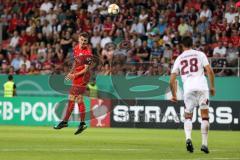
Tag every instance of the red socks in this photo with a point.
(82, 110)
(69, 110)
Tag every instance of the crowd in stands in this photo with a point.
(143, 39)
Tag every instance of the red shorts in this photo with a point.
(82, 80)
(77, 90)
(79, 84)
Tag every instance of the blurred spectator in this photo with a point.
(23, 39)
(232, 54)
(105, 70)
(97, 25)
(203, 24)
(33, 70)
(95, 41)
(196, 4)
(23, 69)
(74, 5)
(183, 27)
(156, 51)
(122, 50)
(66, 42)
(136, 41)
(152, 26)
(14, 40)
(161, 26)
(108, 25)
(107, 52)
(51, 16)
(132, 71)
(47, 28)
(11, 70)
(92, 6)
(138, 28)
(105, 40)
(206, 12)
(220, 50)
(25, 61)
(118, 37)
(42, 52)
(46, 6)
(13, 23)
(167, 54)
(144, 52)
(16, 61)
(143, 16)
(3, 52)
(4, 67)
(230, 14)
(2, 59)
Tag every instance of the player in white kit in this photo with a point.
(190, 65)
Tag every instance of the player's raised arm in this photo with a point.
(211, 78)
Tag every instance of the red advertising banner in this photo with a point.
(100, 112)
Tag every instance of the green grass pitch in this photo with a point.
(44, 143)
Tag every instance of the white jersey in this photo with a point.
(190, 65)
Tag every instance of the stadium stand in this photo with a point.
(143, 39)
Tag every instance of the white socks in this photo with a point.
(204, 131)
(188, 128)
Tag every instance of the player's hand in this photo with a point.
(212, 91)
(173, 99)
(67, 77)
(70, 76)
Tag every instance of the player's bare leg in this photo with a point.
(188, 131)
(82, 126)
(204, 130)
(69, 110)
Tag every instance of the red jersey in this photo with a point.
(224, 39)
(82, 57)
(214, 27)
(235, 40)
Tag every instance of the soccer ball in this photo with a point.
(113, 9)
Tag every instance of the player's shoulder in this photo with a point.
(201, 54)
(75, 49)
(89, 50)
(198, 52)
(193, 52)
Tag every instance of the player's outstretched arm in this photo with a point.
(173, 87)
(211, 78)
(72, 75)
(86, 68)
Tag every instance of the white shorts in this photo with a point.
(196, 98)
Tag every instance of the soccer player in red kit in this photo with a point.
(80, 77)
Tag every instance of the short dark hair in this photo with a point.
(187, 41)
(84, 34)
(10, 77)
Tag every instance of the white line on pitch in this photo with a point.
(70, 149)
